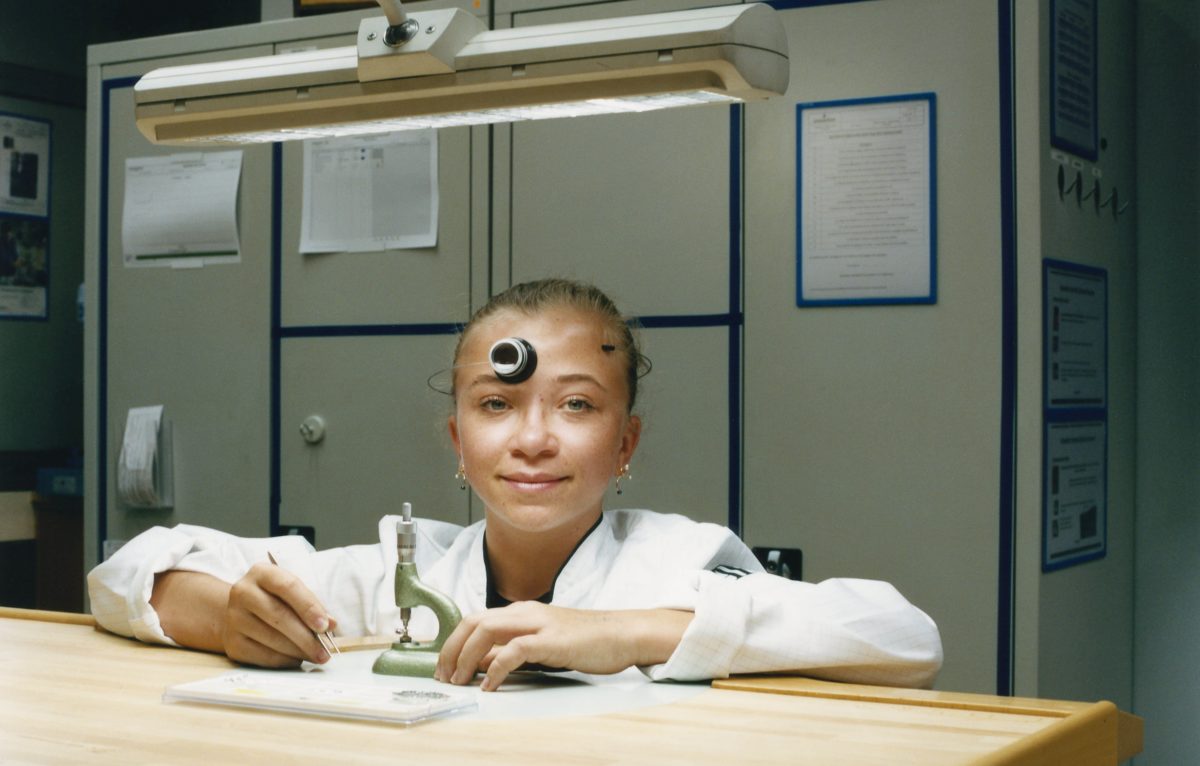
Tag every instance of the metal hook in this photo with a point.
(1118, 209)
(1062, 189)
(1094, 192)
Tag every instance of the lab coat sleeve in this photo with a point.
(856, 631)
(120, 587)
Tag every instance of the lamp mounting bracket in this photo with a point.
(434, 40)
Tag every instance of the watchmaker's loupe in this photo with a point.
(513, 359)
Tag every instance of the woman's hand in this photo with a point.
(271, 618)
(500, 641)
(267, 618)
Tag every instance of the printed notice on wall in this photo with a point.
(1076, 333)
(24, 217)
(1075, 492)
(1073, 81)
(370, 193)
(24, 166)
(1074, 413)
(181, 209)
(867, 203)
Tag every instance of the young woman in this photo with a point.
(549, 577)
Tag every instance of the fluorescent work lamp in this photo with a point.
(444, 67)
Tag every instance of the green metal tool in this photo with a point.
(408, 657)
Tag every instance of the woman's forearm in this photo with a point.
(655, 633)
(191, 608)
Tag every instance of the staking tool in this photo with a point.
(408, 657)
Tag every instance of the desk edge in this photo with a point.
(70, 618)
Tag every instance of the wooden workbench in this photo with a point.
(71, 693)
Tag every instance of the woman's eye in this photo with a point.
(578, 405)
(494, 405)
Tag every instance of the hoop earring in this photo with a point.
(623, 474)
(461, 476)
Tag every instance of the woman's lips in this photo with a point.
(532, 482)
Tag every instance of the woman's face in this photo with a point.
(540, 453)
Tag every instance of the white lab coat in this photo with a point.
(859, 631)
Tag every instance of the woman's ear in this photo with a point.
(629, 440)
(452, 427)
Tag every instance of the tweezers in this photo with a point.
(326, 639)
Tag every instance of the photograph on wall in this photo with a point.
(24, 166)
(24, 271)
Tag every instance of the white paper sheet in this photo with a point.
(323, 696)
(522, 695)
(865, 201)
(181, 209)
(370, 193)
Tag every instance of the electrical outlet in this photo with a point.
(308, 533)
(785, 562)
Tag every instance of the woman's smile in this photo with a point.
(536, 482)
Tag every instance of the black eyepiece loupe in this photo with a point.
(512, 359)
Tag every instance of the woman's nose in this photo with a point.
(534, 434)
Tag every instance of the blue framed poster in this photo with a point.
(1074, 108)
(1074, 414)
(1075, 342)
(1074, 491)
(866, 201)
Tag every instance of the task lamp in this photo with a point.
(441, 68)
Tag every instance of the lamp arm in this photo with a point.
(394, 11)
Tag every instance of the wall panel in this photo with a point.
(172, 339)
(872, 433)
(385, 435)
